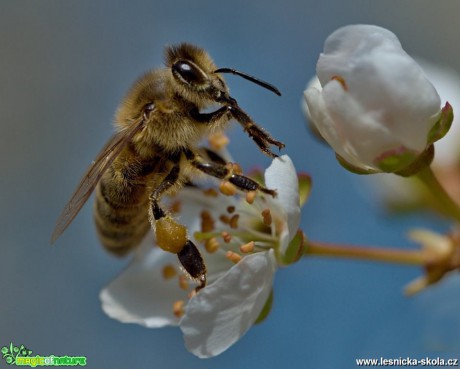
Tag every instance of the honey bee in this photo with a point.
(155, 151)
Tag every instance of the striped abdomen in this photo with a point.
(120, 212)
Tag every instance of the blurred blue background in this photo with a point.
(64, 67)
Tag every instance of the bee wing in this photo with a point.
(92, 176)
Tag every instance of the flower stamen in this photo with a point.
(234, 221)
(247, 247)
(211, 192)
(207, 221)
(211, 245)
(227, 188)
(192, 293)
(178, 308)
(233, 256)
(226, 236)
(169, 271)
(236, 168)
(267, 217)
(175, 207)
(250, 196)
(224, 219)
(183, 282)
(218, 141)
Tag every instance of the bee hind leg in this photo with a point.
(172, 236)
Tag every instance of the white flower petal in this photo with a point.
(141, 294)
(222, 312)
(319, 115)
(375, 98)
(282, 176)
(314, 83)
(347, 44)
(403, 193)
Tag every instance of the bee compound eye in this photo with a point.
(188, 72)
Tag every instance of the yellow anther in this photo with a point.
(211, 192)
(226, 236)
(236, 168)
(234, 221)
(218, 141)
(267, 217)
(169, 271)
(227, 188)
(233, 256)
(183, 282)
(247, 247)
(211, 245)
(178, 308)
(224, 219)
(176, 206)
(250, 196)
(192, 293)
(207, 221)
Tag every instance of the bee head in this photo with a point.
(194, 75)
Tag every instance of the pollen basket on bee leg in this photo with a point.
(170, 235)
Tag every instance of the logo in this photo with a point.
(22, 356)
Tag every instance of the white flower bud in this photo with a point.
(375, 102)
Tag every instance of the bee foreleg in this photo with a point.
(213, 117)
(258, 134)
(226, 172)
(172, 236)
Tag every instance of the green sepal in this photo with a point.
(353, 168)
(266, 309)
(304, 187)
(294, 250)
(395, 160)
(421, 162)
(442, 126)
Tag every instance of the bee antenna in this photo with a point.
(257, 81)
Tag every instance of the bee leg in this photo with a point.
(169, 181)
(221, 115)
(226, 172)
(193, 263)
(225, 113)
(258, 134)
(172, 236)
(213, 156)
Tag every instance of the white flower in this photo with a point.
(218, 315)
(375, 102)
(399, 193)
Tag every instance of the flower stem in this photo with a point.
(444, 202)
(395, 256)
